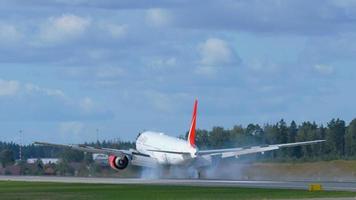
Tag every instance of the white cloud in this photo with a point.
(344, 3)
(109, 72)
(162, 101)
(71, 129)
(9, 88)
(9, 34)
(86, 104)
(262, 65)
(206, 70)
(162, 63)
(159, 101)
(71, 2)
(324, 69)
(214, 54)
(158, 17)
(94, 73)
(12, 87)
(65, 27)
(32, 88)
(215, 51)
(98, 54)
(41, 103)
(116, 31)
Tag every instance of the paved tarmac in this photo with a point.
(344, 186)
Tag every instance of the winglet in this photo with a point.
(191, 135)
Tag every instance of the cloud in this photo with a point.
(9, 88)
(30, 102)
(32, 88)
(86, 104)
(109, 72)
(346, 4)
(258, 65)
(158, 17)
(329, 49)
(64, 27)
(215, 53)
(71, 127)
(9, 34)
(116, 31)
(105, 57)
(162, 101)
(93, 73)
(319, 17)
(288, 17)
(72, 130)
(163, 63)
(107, 4)
(323, 69)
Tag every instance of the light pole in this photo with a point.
(20, 156)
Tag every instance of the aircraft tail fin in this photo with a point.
(191, 134)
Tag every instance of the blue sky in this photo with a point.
(70, 67)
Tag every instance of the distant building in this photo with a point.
(101, 159)
(49, 171)
(45, 161)
(10, 170)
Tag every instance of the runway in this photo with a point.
(342, 186)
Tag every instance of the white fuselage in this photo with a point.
(148, 141)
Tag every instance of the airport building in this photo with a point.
(45, 161)
(101, 159)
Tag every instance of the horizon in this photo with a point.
(117, 139)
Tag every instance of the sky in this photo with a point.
(81, 70)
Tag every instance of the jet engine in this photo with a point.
(118, 163)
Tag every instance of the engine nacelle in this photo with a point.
(118, 163)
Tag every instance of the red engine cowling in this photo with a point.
(118, 163)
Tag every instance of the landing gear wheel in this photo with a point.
(202, 174)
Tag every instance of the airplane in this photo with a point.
(154, 149)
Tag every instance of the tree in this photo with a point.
(335, 138)
(38, 169)
(283, 132)
(69, 155)
(236, 136)
(202, 139)
(271, 134)
(292, 134)
(350, 139)
(282, 137)
(6, 157)
(63, 168)
(253, 134)
(218, 137)
(88, 158)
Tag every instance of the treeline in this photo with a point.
(340, 142)
(9, 151)
(340, 139)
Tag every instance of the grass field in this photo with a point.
(41, 191)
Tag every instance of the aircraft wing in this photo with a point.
(89, 149)
(235, 152)
(137, 158)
